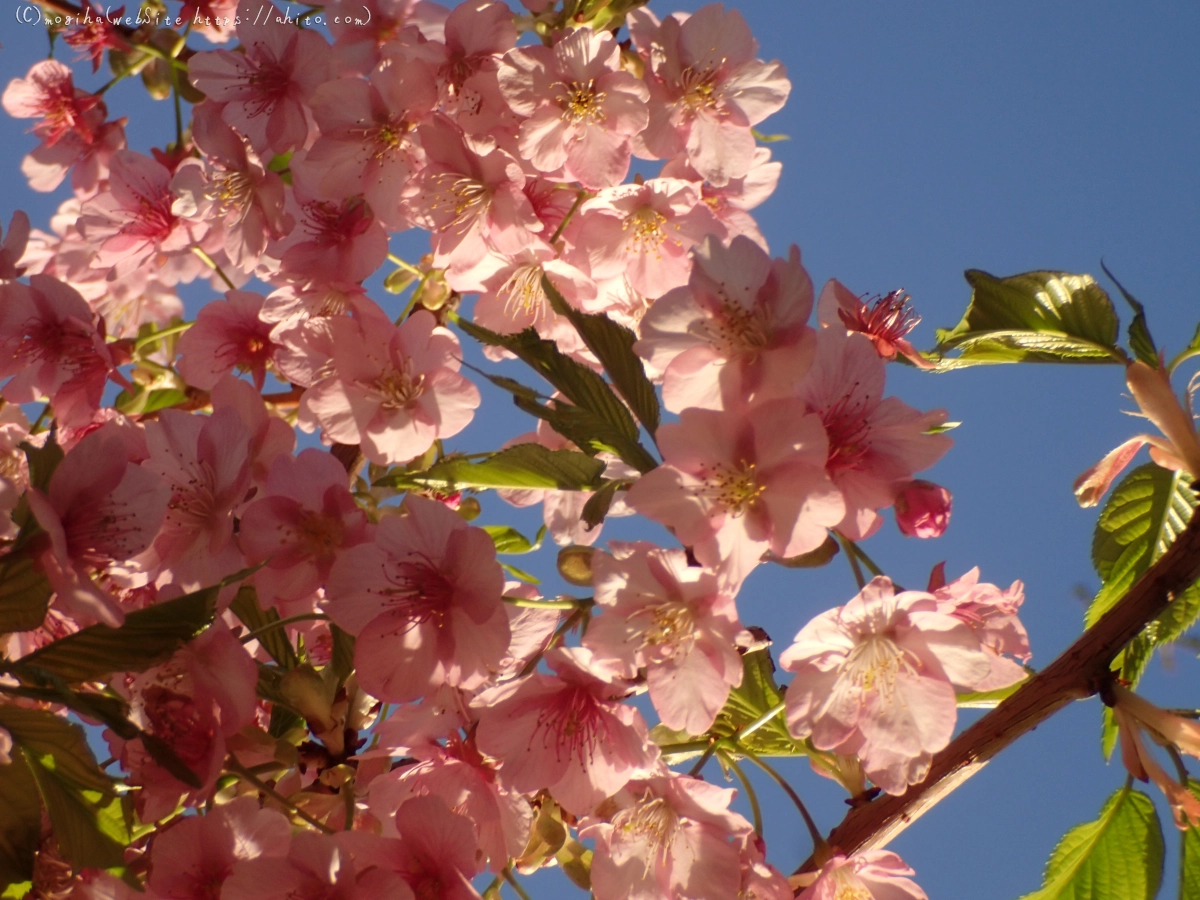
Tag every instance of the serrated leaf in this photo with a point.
(20, 821)
(1119, 856)
(24, 593)
(274, 640)
(598, 505)
(520, 466)
(1189, 856)
(146, 401)
(79, 798)
(508, 540)
(1138, 334)
(149, 637)
(813, 559)
(585, 390)
(1033, 317)
(612, 344)
(757, 694)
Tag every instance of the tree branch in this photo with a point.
(1076, 674)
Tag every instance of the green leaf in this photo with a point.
(612, 344)
(520, 574)
(342, 658)
(24, 593)
(508, 540)
(42, 462)
(20, 821)
(147, 401)
(597, 506)
(1189, 856)
(273, 640)
(811, 560)
(1140, 341)
(1117, 857)
(602, 412)
(520, 466)
(149, 637)
(85, 813)
(1033, 317)
(988, 699)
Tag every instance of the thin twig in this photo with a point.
(852, 557)
(752, 797)
(516, 885)
(236, 768)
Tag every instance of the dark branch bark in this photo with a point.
(1077, 673)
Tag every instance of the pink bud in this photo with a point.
(923, 509)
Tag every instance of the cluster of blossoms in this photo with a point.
(468, 732)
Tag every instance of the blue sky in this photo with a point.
(927, 138)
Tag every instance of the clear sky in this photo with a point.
(927, 138)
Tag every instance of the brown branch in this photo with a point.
(1077, 673)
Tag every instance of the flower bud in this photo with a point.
(575, 564)
(923, 509)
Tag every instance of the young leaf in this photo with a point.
(757, 694)
(597, 506)
(1189, 856)
(21, 822)
(274, 640)
(520, 466)
(1117, 857)
(1033, 317)
(813, 559)
(508, 540)
(24, 593)
(1140, 341)
(78, 796)
(342, 661)
(612, 344)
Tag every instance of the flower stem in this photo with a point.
(817, 838)
(392, 257)
(848, 548)
(236, 768)
(579, 198)
(516, 885)
(165, 333)
(752, 797)
(569, 603)
(290, 620)
(212, 264)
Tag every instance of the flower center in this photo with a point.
(231, 193)
(398, 387)
(466, 195)
(646, 229)
(850, 887)
(331, 224)
(848, 432)
(652, 821)
(269, 84)
(887, 318)
(875, 662)
(699, 88)
(523, 294)
(319, 534)
(573, 723)
(670, 627)
(176, 719)
(581, 102)
(419, 591)
(734, 487)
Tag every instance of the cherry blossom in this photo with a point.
(333, 241)
(48, 93)
(734, 485)
(923, 509)
(677, 621)
(876, 678)
(13, 247)
(736, 332)
(424, 600)
(568, 733)
(731, 201)
(397, 389)
(867, 875)
(362, 29)
(227, 335)
(885, 320)
(992, 614)
(94, 32)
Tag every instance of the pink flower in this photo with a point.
(473, 203)
(333, 241)
(395, 390)
(100, 509)
(214, 19)
(731, 201)
(707, 90)
(736, 332)
(436, 854)
(674, 837)
(568, 733)
(315, 868)
(94, 32)
(876, 444)
(264, 90)
(923, 509)
(361, 29)
(228, 334)
(231, 186)
(424, 600)
(876, 678)
(581, 109)
(736, 484)
(191, 858)
(13, 247)
(368, 136)
(992, 614)
(306, 520)
(867, 875)
(885, 320)
(1133, 715)
(643, 231)
(677, 621)
(50, 345)
(88, 161)
(133, 220)
(48, 93)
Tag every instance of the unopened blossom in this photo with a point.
(707, 89)
(133, 220)
(732, 201)
(470, 785)
(643, 231)
(230, 185)
(673, 837)
(581, 110)
(734, 485)
(472, 202)
(876, 444)
(368, 135)
(394, 390)
(424, 600)
(191, 858)
(14, 467)
(1134, 716)
(332, 241)
(867, 875)
(923, 509)
(877, 677)
(992, 614)
(1178, 447)
(569, 733)
(736, 332)
(100, 509)
(299, 527)
(51, 346)
(265, 89)
(679, 622)
(48, 93)
(13, 247)
(227, 334)
(885, 320)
